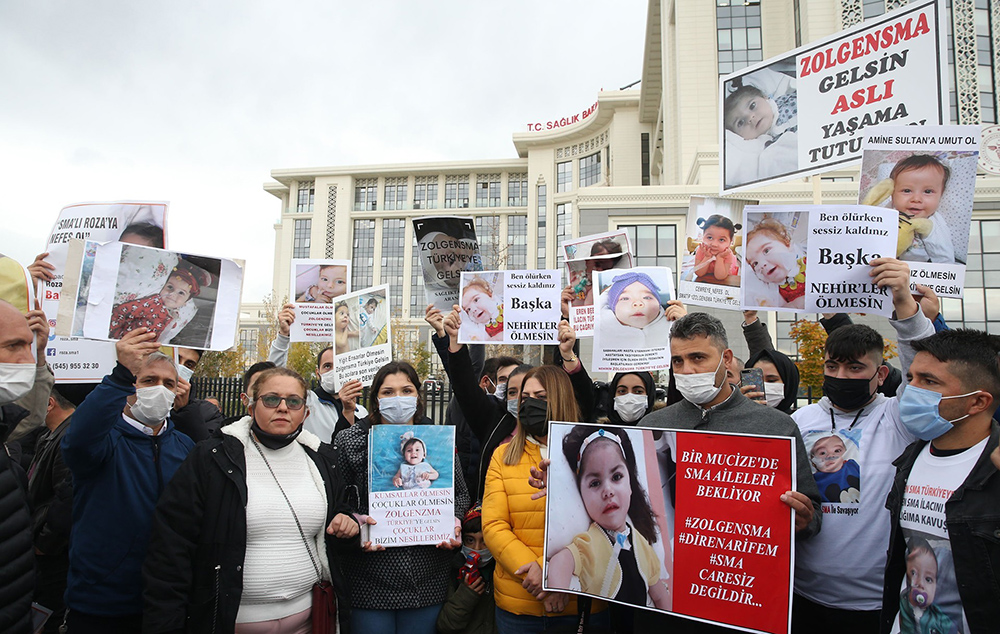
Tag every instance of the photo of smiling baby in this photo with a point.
(321, 282)
(775, 253)
(481, 299)
(632, 322)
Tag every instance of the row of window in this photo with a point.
(590, 172)
(489, 193)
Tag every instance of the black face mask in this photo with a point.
(848, 394)
(533, 414)
(274, 441)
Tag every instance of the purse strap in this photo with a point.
(319, 575)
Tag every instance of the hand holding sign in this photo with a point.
(434, 317)
(801, 505)
(41, 270)
(135, 346)
(343, 526)
(895, 275)
(451, 324)
(38, 323)
(286, 317)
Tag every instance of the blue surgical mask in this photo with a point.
(512, 405)
(397, 410)
(918, 410)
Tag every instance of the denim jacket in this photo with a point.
(973, 519)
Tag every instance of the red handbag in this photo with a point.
(324, 608)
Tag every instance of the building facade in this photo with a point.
(630, 161)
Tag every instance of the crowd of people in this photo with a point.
(136, 507)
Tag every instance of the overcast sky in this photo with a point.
(196, 102)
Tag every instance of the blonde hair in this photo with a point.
(480, 283)
(561, 405)
(773, 227)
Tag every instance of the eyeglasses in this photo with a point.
(271, 401)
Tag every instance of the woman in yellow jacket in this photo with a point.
(514, 523)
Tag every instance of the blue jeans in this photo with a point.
(510, 623)
(415, 621)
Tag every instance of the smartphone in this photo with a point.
(754, 377)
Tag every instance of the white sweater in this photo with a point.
(278, 572)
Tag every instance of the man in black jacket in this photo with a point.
(50, 496)
(192, 416)
(17, 565)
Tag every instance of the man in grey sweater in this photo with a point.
(700, 352)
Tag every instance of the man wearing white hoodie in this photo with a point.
(852, 436)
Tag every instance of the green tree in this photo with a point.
(225, 363)
(810, 339)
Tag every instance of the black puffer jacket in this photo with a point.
(17, 558)
(194, 570)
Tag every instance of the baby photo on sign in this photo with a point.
(775, 254)
(833, 456)
(447, 246)
(760, 119)
(408, 457)
(932, 192)
(171, 294)
(482, 307)
(633, 307)
(371, 314)
(321, 283)
(611, 540)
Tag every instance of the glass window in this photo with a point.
(302, 238)
(488, 190)
(425, 193)
(393, 250)
(655, 245)
(564, 176)
(395, 194)
(365, 195)
(306, 197)
(456, 192)
(738, 36)
(564, 229)
(979, 307)
(517, 238)
(542, 217)
(363, 255)
(872, 8)
(517, 190)
(418, 302)
(590, 169)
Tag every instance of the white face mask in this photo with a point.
(501, 391)
(698, 388)
(152, 404)
(16, 380)
(326, 381)
(184, 372)
(774, 393)
(631, 407)
(397, 410)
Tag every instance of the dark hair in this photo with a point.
(61, 401)
(853, 342)
(639, 511)
(339, 305)
(412, 441)
(198, 352)
(730, 102)
(608, 246)
(971, 356)
(700, 325)
(145, 230)
(920, 161)
(490, 369)
(521, 369)
(394, 367)
(269, 373)
(371, 300)
(915, 546)
(475, 525)
(718, 220)
(260, 366)
(319, 357)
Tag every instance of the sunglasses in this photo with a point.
(271, 401)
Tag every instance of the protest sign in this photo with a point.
(631, 330)
(801, 113)
(316, 285)
(713, 261)
(714, 545)
(814, 258)
(363, 335)
(447, 246)
(926, 174)
(584, 257)
(76, 360)
(515, 307)
(187, 300)
(411, 482)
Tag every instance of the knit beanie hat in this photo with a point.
(619, 283)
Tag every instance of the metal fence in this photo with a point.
(228, 391)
